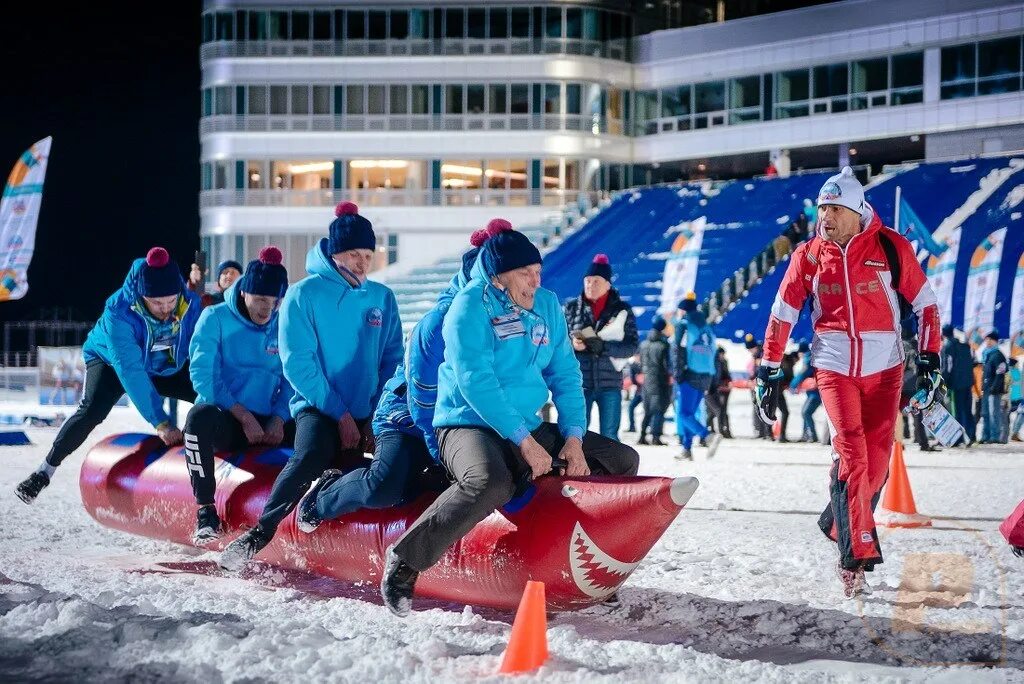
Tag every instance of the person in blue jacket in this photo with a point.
(693, 368)
(139, 346)
(813, 401)
(341, 340)
(242, 396)
(506, 348)
(403, 428)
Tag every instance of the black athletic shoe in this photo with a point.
(1018, 551)
(397, 584)
(28, 490)
(241, 551)
(207, 525)
(307, 518)
(656, 441)
(642, 440)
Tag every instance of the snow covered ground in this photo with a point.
(740, 588)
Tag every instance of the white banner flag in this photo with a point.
(980, 301)
(1017, 311)
(941, 271)
(19, 213)
(681, 267)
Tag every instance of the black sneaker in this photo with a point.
(307, 519)
(28, 490)
(1018, 551)
(207, 525)
(241, 551)
(642, 440)
(397, 584)
(656, 441)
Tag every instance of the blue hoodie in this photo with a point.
(235, 361)
(125, 337)
(339, 343)
(502, 384)
(693, 334)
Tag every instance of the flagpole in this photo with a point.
(896, 219)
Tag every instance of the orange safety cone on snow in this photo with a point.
(528, 646)
(898, 508)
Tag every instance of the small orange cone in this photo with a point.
(898, 508)
(528, 646)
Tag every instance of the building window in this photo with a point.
(744, 99)
(454, 24)
(907, 79)
(354, 95)
(377, 21)
(256, 99)
(255, 175)
(302, 175)
(476, 24)
(355, 25)
(321, 99)
(278, 100)
(399, 99)
(399, 26)
(461, 174)
(321, 25)
(300, 100)
(999, 66)
(959, 71)
(225, 26)
(419, 24)
(553, 22)
(420, 99)
(497, 23)
(475, 103)
(573, 104)
(300, 25)
(520, 98)
(831, 88)
(277, 26)
(552, 98)
(520, 22)
(453, 99)
(499, 99)
(222, 100)
(257, 25)
(375, 99)
(386, 174)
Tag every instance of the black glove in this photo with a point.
(930, 387)
(766, 391)
(595, 345)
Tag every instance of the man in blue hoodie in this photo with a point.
(139, 346)
(693, 356)
(403, 429)
(236, 370)
(506, 348)
(341, 339)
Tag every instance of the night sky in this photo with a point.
(117, 86)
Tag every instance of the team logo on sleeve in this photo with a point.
(830, 191)
(375, 317)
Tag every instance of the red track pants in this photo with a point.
(863, 414)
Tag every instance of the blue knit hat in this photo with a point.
(229, 263)
(349, 230)
(265, 276)
(160, 277)
(659, 323)
(689, 302)
(507, 251)
(600, 266)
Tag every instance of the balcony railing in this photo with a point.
(255, 123)
(380, 197)
(613, 49)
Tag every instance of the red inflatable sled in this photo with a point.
(1013, 527)
(581, 537)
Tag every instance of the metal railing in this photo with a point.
(380, 197)
(612, 49)
(402, 122)
(19, 359)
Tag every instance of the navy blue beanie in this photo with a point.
(688, 304)
(349, 230)
(600, 266)
(508, 251)
(265, 276)
(947, 331)
(229, 263)
(160, 277)
(659, 323)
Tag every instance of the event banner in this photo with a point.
(982, 279)
(19, 213)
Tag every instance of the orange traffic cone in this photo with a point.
(528, 646)
(898, 508)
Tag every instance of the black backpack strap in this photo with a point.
(895, 271)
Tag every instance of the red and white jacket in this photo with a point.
(855, 310)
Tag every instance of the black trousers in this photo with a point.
(317, 448)
(783, 414)
(102, 390)
(209, 429)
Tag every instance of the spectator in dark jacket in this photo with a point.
(635, 373)
(717, 398)
(993, 387)
(654, 361)
(958, 374)
(604, 336)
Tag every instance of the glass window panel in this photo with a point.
(952, 92)
(907, 97)
(520, 98)
(573, 95)
(709, 97)
(520, 22)
(277, 26)
(616, 25)
(958, 62)
(453, 99)
(207, 101)
(255, 177)
(553, 22)
(496, 174)
(399, 99)
(355, 26)
(908, 70)
(792, 86)
(870, 74)
(551, 179)
(573, 23)
(378, 25)
(999, 57)
(745, 92)
(476, 20)
(354, 99)
(300, 99)
(399, 25)
(831, 80)
(420, 99)
(499, 100)
(497, 24)
(300, 25)
(375, 99)
(454, 24)
(241, 21)
(475, 99)
(279, 100)
(591, 24)
(419, 23)
(257, 25)
(257, 96)
(225, 26)
(670, 103)
(994, 86)
(208, 29)
(552, 98)
(461, 174)
(220, 175)
(321, 99)
(222, 100)
(321, 25)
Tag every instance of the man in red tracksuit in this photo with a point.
(858, 274)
